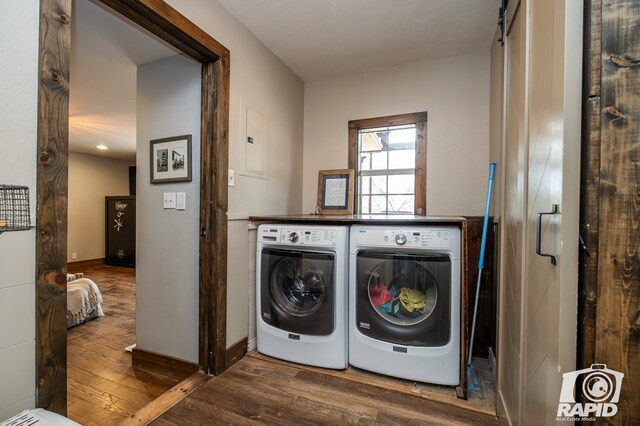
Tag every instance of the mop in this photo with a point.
(472, 383)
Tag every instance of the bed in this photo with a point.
(84, 300)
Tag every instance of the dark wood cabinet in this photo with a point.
(486, 322)
(120, 231)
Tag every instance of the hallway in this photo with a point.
(102, 387)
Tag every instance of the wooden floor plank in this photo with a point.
(102, 400)
(258, 391)
(192, 412)
(168, 399)
(103, 388)
(163, 422)
(272, 401)
(435, 393)
(88, 413)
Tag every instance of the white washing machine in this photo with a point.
(404, 302)
(301, 293)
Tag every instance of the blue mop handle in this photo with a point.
(485, 225)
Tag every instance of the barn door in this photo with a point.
(550, 290)
(538, 322)
(510, 350)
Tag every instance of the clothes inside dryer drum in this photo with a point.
(418, 310)
(412, 285)
(412, 300)
(379, 295)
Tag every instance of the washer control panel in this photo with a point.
(431, 238)
(298, 236)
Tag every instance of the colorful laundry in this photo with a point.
(391, 307)
(412, 299)
(379, 295)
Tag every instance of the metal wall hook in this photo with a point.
(554, 210)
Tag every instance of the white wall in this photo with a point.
(496, 122)
(260, 80)
(455, 93)
(91, 178)
(167, 241)
(18, 103)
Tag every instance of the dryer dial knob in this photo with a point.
(401, 239)
(293, 237)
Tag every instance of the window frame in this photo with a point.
(417, 118)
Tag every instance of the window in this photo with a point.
(389, 157)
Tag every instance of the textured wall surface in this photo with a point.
(18, 103)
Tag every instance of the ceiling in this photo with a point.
(325, 38)
(317, 39)
(105, 53)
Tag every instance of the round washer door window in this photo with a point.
(297, 286)
(402, 292)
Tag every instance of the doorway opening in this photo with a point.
(120, 75)
(163, 22)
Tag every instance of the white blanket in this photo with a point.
(83, 301)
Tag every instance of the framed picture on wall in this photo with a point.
(335, 191)
(171, 159)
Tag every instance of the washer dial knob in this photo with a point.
(401, 239)
(293, 237)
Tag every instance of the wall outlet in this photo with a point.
(74, 255)
(169, 200)
(232, 177)
(181, 200)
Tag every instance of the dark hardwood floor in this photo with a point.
(102, 387)
(261, 391)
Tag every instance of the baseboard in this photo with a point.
(236, 351)
(158, 363)
(252, 345)
(79, 265)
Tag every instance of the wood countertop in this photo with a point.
(359, 219)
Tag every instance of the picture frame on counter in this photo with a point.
(335, 192)
(171, 159)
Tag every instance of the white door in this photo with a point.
(551, 32)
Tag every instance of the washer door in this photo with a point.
(404, 298)
(297, 291)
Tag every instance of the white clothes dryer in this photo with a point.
(301, 293)
(404, 302)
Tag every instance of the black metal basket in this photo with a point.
(15, 214)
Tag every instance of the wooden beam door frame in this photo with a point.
(163, 21)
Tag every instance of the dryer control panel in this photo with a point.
(298, 236)
(432, 238)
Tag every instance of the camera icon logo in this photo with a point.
(599, 385)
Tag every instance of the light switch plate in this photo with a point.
(181, 200)
(169, 200)
(232, 177)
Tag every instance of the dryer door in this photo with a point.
(297, 291)
(404, 299)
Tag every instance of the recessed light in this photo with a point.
(102, 147)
